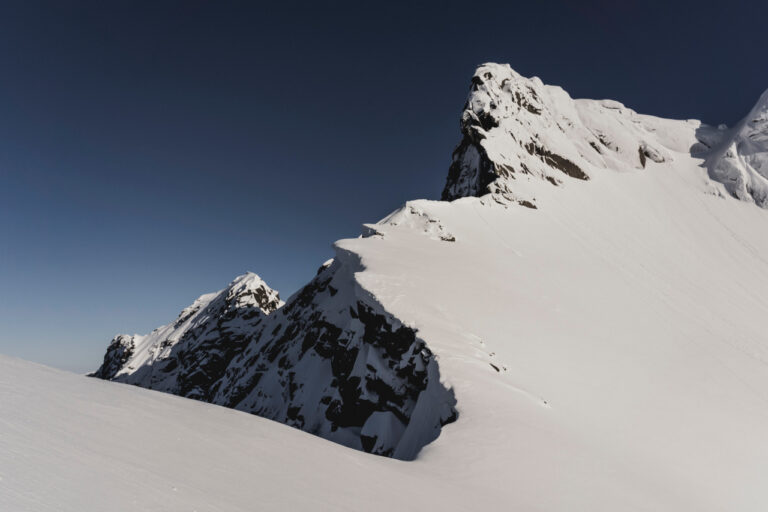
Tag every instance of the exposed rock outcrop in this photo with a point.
(330, 361)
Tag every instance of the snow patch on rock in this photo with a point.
(739, 157)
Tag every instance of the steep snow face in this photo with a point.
(608, 350)
(739, 157)
(517, 132)
(331, 362)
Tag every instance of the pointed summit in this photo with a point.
(184, 355)
(251, 290)
(509, 125)
(518, 133)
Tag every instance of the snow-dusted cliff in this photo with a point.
(330, 361)
(185, 356)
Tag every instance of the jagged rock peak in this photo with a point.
(331, 361)
(221, 320)
(119, 351)
(504, 129)
(518, 132)
(250, 289)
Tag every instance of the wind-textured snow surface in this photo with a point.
(72, 444)
(590, 299)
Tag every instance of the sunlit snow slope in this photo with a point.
(609, 348)
(73, 444)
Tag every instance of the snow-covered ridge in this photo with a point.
(330, 361)
(344, 359)
(242, 304)
(517, 132)
(607, 350)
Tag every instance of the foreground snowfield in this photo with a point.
(70, 443)
(600, 318)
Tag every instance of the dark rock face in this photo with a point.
(331, 362)
(470, 170)
(368, 372)
(120, 349)
(556, 161)
(645, 153)
(188, 356)
(503, 126)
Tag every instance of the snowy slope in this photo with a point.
(592, 298)
(608, 350)
(72, 444)
(613, 359)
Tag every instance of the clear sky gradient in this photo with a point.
(152, 151)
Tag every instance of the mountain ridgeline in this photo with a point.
(332, 360)
(516, 132)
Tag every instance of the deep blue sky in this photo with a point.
(151, 151)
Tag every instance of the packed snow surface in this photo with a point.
(594, 296)
(74, 444)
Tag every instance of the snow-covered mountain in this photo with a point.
(330, 361)
(517, 130)
(184, 357)
(588, 300)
